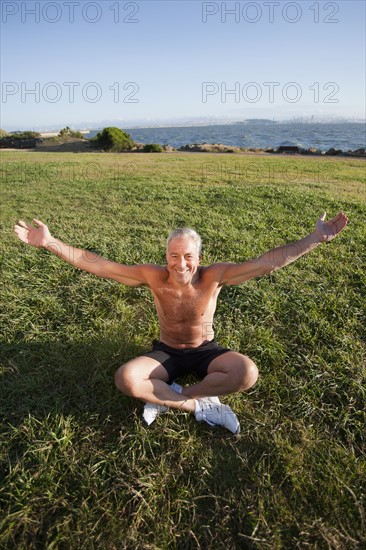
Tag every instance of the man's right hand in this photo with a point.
(131, 275)
(35, 236)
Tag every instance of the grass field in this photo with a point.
(78, 468)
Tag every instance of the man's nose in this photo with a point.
(181, 262)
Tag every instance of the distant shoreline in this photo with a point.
(83, 147)
(96, 127)
(253, 135)
(350, 136)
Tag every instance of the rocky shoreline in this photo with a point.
(84, 145)
(287, 150)
(282, 149)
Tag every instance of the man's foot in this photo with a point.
(215, 413)
(151, 411)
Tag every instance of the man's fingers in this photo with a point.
(340, 220)
(21, 233)
(28, 226)
(343, 217)
(338, 223)
(337, 217)
(20, 229)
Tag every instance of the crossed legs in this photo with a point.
(146, 379)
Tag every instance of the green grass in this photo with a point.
(78, 468)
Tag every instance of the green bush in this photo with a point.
(114, 139)
(25, 135)
(153, 148)
(67, 132)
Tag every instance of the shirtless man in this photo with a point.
(185, 295)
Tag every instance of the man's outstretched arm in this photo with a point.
(276, 258)
(38, 235)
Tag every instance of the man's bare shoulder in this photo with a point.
(153, 272)
(213, 272)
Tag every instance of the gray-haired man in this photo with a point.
(185, 295)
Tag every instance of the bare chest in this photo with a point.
(185, 305)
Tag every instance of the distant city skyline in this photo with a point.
(83, 126)
(154, 62)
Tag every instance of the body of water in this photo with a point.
(343, 136)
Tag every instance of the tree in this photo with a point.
(153, 148)
(67, 132)
(114, 139)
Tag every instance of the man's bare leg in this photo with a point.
(146, 379)
(228, 373)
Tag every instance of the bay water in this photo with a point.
(345, 135)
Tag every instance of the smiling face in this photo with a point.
(183, 260)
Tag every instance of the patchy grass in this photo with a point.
(78, 468)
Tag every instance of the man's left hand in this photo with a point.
(326, 231)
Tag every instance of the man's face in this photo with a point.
(183, 259)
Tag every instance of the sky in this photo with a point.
(81, 63)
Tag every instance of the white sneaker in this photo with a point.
(215, 413)
(151, 411)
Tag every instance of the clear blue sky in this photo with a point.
(179, 59)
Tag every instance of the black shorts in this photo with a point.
(179, 362)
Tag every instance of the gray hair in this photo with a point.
(185, 232)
